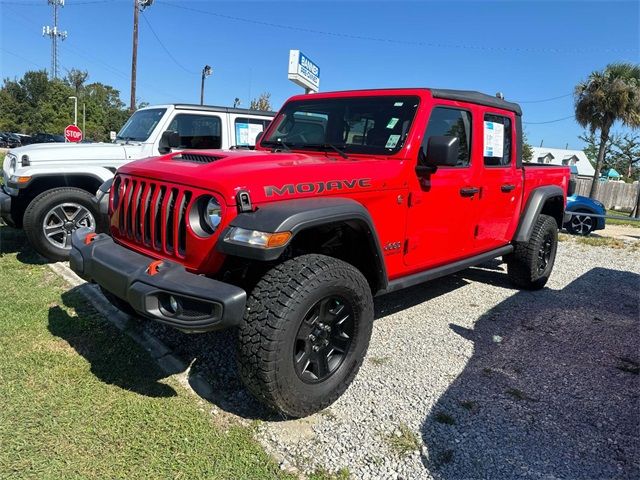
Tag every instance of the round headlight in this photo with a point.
(213, 214)
(12, 165)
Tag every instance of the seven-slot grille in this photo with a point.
(152, 214)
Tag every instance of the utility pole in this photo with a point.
(206, 71)
(137, 6)
(75, 110)
(53, 33)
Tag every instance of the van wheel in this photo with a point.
(53, 216)
(529, 265)
(305, 333)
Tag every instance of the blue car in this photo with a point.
(584, 224)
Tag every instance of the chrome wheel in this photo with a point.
(581, 224)
(62, 220)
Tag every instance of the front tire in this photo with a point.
(581, 224)
(53, 216)
(531, 263)
(305, 333)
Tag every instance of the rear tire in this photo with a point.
(305, 333)
(53, 216)
(531, 263)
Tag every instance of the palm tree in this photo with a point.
(604, 98)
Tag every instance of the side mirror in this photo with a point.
(441, 152)
(168, 140)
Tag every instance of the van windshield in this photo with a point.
(140, 125)
(371, 125)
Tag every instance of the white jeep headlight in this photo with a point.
(12, 165)
(205, 216)
(213, 214)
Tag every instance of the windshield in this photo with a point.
(372, 125)
(140, 125)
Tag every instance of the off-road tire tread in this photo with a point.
(266, 320)
(31, 225)
(522, 262)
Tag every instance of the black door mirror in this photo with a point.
(441, 152)
(168, 140)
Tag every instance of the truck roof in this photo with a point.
(213, 108)
(443, 93)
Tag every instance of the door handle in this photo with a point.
(507, 187)
(469, 191)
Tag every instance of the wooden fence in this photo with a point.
(617, 195)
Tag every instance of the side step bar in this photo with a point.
(443, 270)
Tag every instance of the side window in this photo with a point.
(247, 129)
(450, 122)
(197, 131)
(497, 141)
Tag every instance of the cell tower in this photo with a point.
(54, 34)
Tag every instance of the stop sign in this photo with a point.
(73, 134)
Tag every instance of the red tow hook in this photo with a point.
(154, 267)
(89, 238)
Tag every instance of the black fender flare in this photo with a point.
(300, 214)
(537, 199)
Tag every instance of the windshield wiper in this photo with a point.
(324, 146)
(277, 145)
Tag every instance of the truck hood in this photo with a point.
(63, 153)
(272, 176)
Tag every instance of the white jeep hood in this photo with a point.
(65, 153)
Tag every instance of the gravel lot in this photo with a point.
(469, 378)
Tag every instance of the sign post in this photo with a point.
(73, 134)
(303, 72)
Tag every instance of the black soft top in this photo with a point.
(475, 97)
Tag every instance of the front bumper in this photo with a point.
(203, 304)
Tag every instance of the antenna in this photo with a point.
(54, 34)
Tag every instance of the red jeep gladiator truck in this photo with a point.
(348, 195)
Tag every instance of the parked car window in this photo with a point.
(450, 122)
(140, 125)
(497, 141)
(247, 129)
(198, 131)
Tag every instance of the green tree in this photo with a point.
(592, 145)
(527, 149)
(626, 156)
(76, 78)
(606, 97)
(263, 102)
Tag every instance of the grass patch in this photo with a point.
(403, 441)
(323, 474)
(378, 361)
(445, 418)
(80, 399)
(617, 221)
(601, 242)
(563, 237)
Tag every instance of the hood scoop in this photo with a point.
(197, 157)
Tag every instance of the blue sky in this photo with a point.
(529, 50)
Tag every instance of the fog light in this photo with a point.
(173, 304)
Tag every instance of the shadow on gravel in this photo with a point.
(552, 390)
(15, 241)
(115, 358)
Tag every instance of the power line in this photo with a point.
(545, 99)
(144, 16)
(396, 41)
(550, 121)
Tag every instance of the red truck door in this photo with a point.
(443, 205)
(501, 181)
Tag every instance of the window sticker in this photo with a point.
(493, 139)
(398, 104)
(392, 141)
(392, 122)
(246, 134)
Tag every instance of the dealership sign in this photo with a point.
(303, 72)
(73, 134)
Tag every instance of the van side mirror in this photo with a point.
(169, 139)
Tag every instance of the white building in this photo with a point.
(560, 156)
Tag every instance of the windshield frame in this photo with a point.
(123, 138)
(268, 141)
